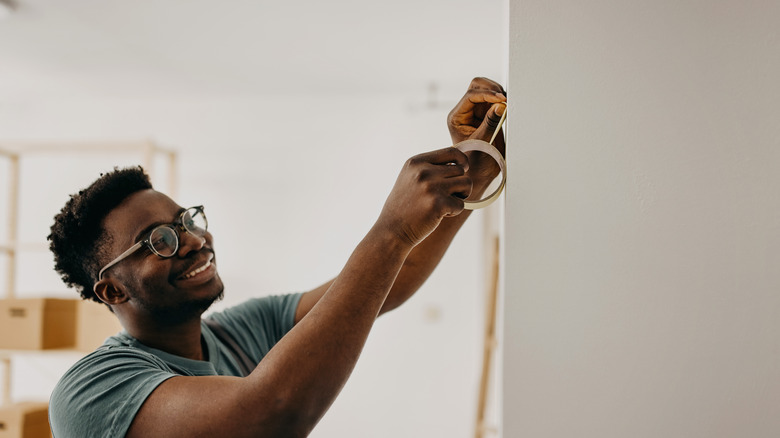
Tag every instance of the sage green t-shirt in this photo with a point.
(101, 393)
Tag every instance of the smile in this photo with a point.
(197, 271)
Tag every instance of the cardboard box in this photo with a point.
(37, 323)
(25, 420)
(94, 323)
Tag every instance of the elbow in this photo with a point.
(388, 306)
(293, 417)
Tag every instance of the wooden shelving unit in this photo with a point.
(14, 152)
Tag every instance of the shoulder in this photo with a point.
(117, 356)
(104, 390)
(114, 357)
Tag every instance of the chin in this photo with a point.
(186, 310)
(219, 289)
(216, 293)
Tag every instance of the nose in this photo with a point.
(190, 242)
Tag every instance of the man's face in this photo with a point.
(169, 290)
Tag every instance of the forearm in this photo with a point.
(310, 365)
(422, 261)
(426, 256)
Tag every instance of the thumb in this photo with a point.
(490, 122)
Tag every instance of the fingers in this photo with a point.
(467, 115)
(480, 83)
(471, 110)
(475, 98)
(489, 123)
(484, 88)
(448, 156)
(443, 173)
(480, 91)
(460, 188)
(442, 157)
(430, 186)
(493, 117)
(455, 190)
(451, 167)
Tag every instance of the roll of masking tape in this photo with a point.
(483, 146)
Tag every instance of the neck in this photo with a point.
(181, 339)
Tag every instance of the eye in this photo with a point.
(194, 221)
(163, 241)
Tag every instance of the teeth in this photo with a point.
(198, 271)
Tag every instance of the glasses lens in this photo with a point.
(194, 220)
(164, 241)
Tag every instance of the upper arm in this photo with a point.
(399, 288)
(186, 406)
(176, 407)
(309, 299)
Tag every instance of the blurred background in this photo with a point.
(291, 121)
(640, 227)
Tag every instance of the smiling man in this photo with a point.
(270, 366)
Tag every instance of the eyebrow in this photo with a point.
(141, 234)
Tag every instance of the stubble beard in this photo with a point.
(181, 312)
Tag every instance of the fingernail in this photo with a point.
(500, 110)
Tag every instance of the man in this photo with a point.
(267, 367)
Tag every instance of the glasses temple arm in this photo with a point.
(121, 257)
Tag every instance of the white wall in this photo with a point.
(290, 186)
(643, 220)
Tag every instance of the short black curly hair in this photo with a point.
(78, 240)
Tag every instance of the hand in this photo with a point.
(477, 116)
(431, 186)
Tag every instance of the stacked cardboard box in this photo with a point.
(24, 420)
(94, 323)
(42, 324)
(48, 323)
(37, 323)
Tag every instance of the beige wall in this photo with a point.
(643, 220)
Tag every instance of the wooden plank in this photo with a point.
(172, 174)
(148, 159)
(29, 147)
(6, 361)
(13, 215)
(12, 247)
(490, 341)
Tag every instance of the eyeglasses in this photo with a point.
(163, 240)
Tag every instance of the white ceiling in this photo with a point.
(165, 48)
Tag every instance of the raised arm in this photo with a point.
(476, 115)
(297, 381)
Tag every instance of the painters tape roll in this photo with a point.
(488, 148)
(483, 146)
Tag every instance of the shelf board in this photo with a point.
(8, 354)
(23, 246)
(15, 148)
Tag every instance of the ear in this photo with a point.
(110, 292)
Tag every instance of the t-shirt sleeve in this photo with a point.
(118, 379)
(259, 323)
